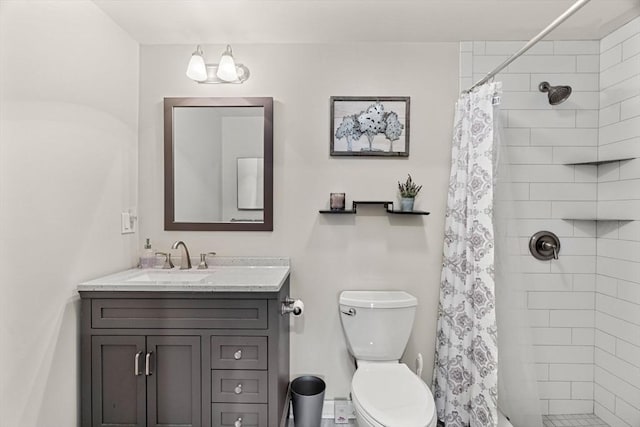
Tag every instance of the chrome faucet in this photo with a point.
(185, 261)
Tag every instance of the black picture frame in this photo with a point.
(370, 126)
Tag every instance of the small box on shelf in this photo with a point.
(337, 201)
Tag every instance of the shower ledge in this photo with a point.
(599, 162)
(598, 219)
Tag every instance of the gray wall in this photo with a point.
(328, 253)
(68, 167)
(198, 165)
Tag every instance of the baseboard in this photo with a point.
(328, 408)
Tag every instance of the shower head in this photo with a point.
(557, 94)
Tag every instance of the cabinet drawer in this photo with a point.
(239, 386)
(179, 313)
(226, 415)
(229, 352)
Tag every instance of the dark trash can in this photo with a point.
(307, 397)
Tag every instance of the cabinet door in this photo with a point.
(174, 384)
(118, 391)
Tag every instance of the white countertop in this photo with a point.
(231, 274)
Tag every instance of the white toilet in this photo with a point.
(385, 392)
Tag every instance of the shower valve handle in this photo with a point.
(544, 245)
(553, 247)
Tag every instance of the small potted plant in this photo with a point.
(408, 192)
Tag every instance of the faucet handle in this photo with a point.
(203, 260)
(167, 260)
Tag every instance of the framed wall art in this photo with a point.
(370, 126)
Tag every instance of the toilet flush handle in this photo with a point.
(350, 312)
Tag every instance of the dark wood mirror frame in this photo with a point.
(169, 202)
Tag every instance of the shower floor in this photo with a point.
(548, 421)
(573, 421)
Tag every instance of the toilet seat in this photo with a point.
(390, 395)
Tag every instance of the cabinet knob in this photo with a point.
(238, 389)
(237, 355)
(238, 422)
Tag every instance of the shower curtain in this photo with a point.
(466, 363)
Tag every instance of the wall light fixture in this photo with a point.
(227, 71)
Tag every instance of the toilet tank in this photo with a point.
(377, 324)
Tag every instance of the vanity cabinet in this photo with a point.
(145, 380)
(188, 359)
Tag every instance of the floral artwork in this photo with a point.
(369, 126)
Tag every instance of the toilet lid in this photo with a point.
(393, 395)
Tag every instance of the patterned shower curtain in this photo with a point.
(465, 376)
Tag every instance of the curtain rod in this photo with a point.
(559, 20)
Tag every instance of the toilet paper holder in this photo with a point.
(290, 305)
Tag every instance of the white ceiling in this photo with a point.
(349, 21)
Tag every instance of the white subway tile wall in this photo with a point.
(617, 302)
(540, 138)
(585, 307)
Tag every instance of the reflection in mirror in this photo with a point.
(218, 163)
(207, 144)
(250, 184)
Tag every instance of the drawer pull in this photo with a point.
(237, 355)
(238, 422)
(238, 389)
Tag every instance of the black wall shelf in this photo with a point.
(387, 205)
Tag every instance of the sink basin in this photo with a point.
(168, 277)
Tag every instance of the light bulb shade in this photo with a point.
(197, 70)
(227, 68)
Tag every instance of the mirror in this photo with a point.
(218, 164)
